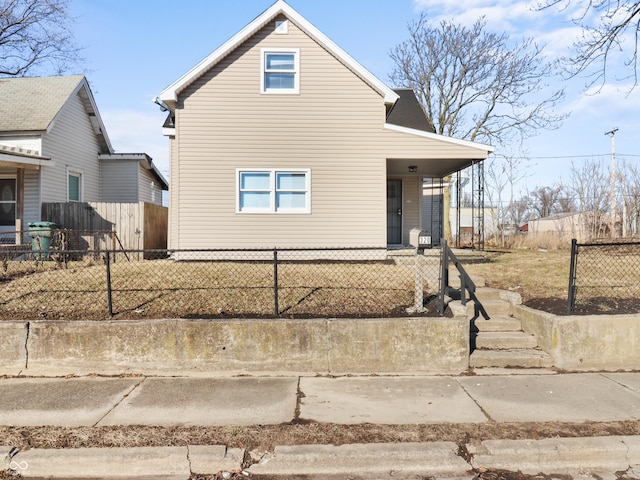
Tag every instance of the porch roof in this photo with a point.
(412, 152)
(18, 157)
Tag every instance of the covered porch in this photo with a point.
(422, 192)
(420, 167)
(15, 164)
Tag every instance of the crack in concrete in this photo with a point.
(327, 335)
(189, 459)
(630, 465)
(26, 345)
(120, 401)
(484, 412)
(299, 396)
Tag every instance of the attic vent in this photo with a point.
(282, 27)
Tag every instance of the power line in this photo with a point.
(608, 155)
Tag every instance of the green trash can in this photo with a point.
(41, 233)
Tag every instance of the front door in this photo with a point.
(7, 206)
(394, 212)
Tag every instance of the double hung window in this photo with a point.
(280, 71)
(274, 191)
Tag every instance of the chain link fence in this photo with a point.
(294, 283)
(604, 277)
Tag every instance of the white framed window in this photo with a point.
(280, 71)
(273, 190)
(74, 186)
(8, 202)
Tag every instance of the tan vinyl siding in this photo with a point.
(73, 144)
(119, 181)
(174, 188)
(329, 128)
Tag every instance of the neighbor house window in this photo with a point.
(7, 202)
(74, 186)
(280, 71)
(274, 191)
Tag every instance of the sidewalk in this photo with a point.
(183, 401)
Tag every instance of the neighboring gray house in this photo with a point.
(54, 148)
(280, 138)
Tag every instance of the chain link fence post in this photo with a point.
(571, 301)
(107, 261)
(419, 290)
(276, 307)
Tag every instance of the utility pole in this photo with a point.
(612, 134)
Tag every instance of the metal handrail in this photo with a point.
(466, 284)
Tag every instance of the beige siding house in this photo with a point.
(563, 227)
(281, 139)
(54, 148)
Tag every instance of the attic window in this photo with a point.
(280, 71)
(282, 27)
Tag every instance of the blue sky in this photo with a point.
(136, 48)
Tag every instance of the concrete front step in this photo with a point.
(486, 293)
(499, 323)
(515, 358)
(494, 307)
(505, 340)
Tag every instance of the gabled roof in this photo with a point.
(31, 104)
(170, 94)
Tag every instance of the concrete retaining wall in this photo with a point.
(586, 342)
(325, 346)
(13, 346)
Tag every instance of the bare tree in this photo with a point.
(605, 25)
(503, 176)
(628, 179)
(496, 178)
(36, 34)
(545, 201)
(476, 85)
(520, 211)
(589, 184)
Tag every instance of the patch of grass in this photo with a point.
(210, 289)
(531, 273)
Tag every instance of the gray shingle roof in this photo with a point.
(31, 104)
(407, 112)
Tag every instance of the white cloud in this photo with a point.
(609, 102)
(501, 15)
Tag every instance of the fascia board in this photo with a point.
(96, 112)
(25, 160)
(170, 94)
(93, 111)
(441, 138)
